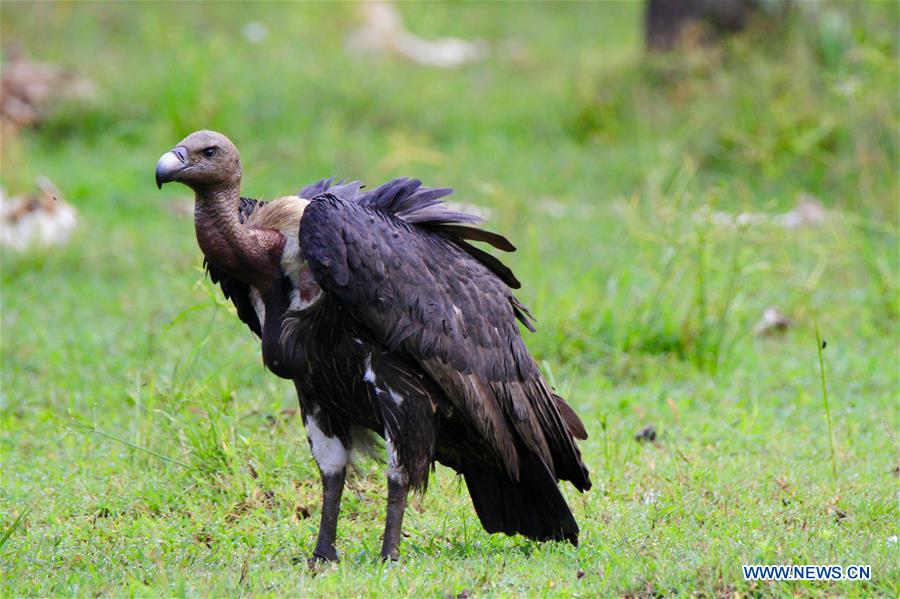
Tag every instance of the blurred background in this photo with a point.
(692, 187)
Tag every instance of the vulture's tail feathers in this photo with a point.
(533, 506)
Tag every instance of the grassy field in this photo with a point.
(148, 453)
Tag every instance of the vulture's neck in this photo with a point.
(247, 254)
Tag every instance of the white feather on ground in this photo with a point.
(41, 219)
(383, 31)
(773, 321)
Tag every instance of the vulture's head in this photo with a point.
(204, 160)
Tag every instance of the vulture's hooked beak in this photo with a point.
(169, 165)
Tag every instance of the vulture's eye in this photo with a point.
(209, 152)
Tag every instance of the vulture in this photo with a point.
(390, 322)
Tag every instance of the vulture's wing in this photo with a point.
(397, 259)
(233, 289)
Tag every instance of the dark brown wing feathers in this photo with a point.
(428, 295)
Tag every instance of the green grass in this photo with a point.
(154, 456)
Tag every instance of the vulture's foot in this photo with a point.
(398, 489)
(315, 562)
(390, 554)
(322, 557)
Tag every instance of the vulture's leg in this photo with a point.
(398, 489)
(331, 456)
(332, 489)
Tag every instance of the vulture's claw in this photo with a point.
(325, 557)
(317, 560)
